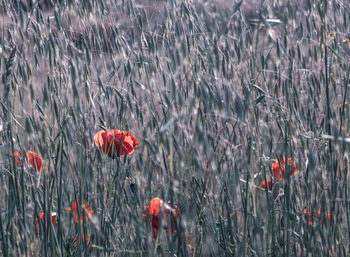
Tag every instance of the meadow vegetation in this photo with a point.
(220, 96)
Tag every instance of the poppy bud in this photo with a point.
(133, 187)
(29, 126)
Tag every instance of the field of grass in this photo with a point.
(216, 93)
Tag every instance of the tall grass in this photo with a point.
(215, 92)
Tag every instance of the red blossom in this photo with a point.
(41, 219)
(278, 169)
(116, 143)
(153, 211)
(75, 209)
(83, 240)
(269, 185)
(35, 160)
(17, 156)
(311, 217)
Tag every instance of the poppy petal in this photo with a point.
(130, 142)
(87, 209)
(269, 185)
(98, 138)
(35, 160)
(278, 169)
(116, 142)
(17, 156)
(153, 210)
(42, 218)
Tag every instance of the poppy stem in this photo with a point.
(246, 200)
(171, 152)
(246, 216)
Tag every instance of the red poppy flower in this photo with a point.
(311, 217)
(153, 210)
(42, 218)
(280, 173)
(35, 160)
(75, 208)
(17, 156)
(116, 142)
(83, 239)
(269, 185)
